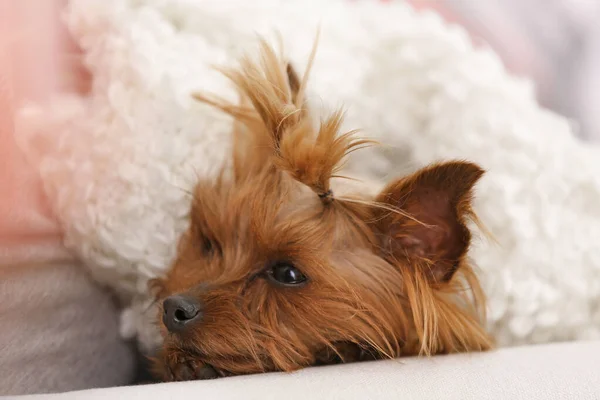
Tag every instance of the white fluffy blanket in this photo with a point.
(117, 164)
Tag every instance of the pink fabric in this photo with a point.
(36, 60)
(492, 24)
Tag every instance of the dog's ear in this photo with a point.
(428, 227)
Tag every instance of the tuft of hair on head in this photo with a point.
(279, 126)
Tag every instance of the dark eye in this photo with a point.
(285, 273)
(207, 247)
(210, 247)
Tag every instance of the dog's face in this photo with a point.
(278, 272)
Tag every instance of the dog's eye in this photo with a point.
(207, 247)
(285, 273)
(210, 247)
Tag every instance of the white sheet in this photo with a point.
(558, 371)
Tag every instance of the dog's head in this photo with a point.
(277, 271)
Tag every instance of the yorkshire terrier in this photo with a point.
(282, 269)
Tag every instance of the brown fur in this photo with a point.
(387, 276)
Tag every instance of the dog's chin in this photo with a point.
(186, 365)
(189, 369)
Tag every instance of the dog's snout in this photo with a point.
(179, 311)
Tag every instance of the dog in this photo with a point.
(282, 268)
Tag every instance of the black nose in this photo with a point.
(179, 311)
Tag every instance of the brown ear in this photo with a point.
(429, 231)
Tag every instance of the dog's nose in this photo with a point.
(179, 311)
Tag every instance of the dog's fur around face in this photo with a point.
(289, 273)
